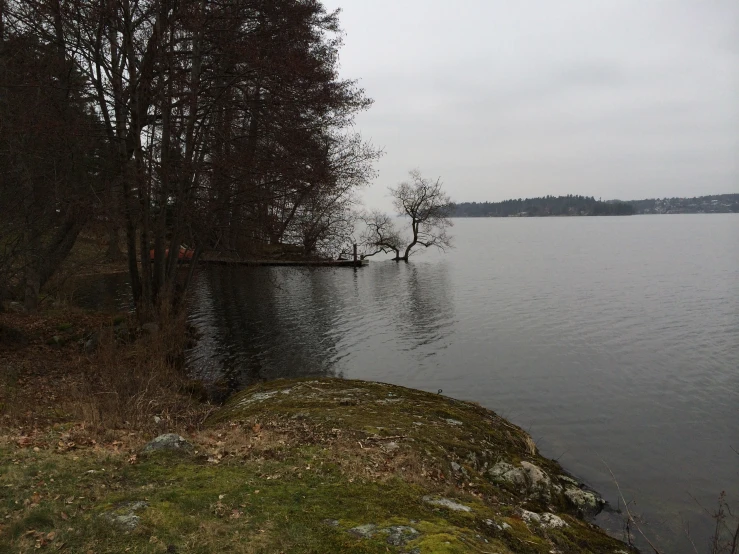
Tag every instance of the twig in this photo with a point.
(631, 518)
(686, 530)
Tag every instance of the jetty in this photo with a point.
(224, 260)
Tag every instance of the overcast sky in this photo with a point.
(514, 98)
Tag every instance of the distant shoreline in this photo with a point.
(577, 205)
(582, 215)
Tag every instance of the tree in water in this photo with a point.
(428, 207)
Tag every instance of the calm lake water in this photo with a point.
(610, 340)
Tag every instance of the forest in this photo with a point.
(162, 123)
(570, 205)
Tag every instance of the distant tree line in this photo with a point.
(716, 203)
(570, 205)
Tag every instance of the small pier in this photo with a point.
(215, 258)
(218, 260)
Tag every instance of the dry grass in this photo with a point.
(132, 381)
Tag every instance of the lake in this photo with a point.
(611, 340)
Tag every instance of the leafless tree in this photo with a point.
(380, 235)
(428, 207)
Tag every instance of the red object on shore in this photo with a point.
(184, 255)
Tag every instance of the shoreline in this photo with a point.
(304, 465)
(326, 465)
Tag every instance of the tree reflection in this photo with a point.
(426, 310)
(263, 323)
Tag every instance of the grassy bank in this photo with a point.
(289, 466)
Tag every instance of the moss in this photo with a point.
(293, 471)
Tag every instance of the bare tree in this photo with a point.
(380, 235)
(428, 207)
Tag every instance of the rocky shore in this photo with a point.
(323, 465)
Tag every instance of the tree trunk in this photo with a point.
(114, 252)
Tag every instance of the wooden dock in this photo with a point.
(216, 260)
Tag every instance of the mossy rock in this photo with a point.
(299, 466)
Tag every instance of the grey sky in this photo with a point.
(502, 98)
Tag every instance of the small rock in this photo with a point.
(547, 520)
(453, 421)
(586, 501)
(365, 531)
(446, 503)
(391, 446)
(331, 522)
(169, 442)
(399, 535)
(456, 467)
(550, 520)
(125, 516)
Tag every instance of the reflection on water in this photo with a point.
(266, 323)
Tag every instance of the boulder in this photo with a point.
(527, 478)
(503, 472)
(537, 480)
